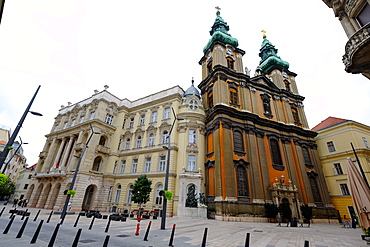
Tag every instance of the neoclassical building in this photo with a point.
(259, 147)
(131, 140)
(354, 15)
(241, 140)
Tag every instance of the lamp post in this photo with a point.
(15, 153)
(15, 133)
(164, 207)
(64, 212)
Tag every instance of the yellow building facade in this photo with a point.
(334, 140)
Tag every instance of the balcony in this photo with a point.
(56, 173)
(102, 149)
(356, 58)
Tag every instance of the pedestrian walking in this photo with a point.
(15, 203)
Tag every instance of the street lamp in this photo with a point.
(164, 207)
(15, 153)
(15, 133)
(64, 212)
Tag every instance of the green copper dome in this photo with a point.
(219, 33)
(269, 57)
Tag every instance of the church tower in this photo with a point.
(259, 148)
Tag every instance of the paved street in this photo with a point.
(188, 232)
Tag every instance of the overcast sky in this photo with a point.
(72, 47)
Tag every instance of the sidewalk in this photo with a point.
(188, 232)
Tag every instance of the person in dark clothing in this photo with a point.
(15, 202)
(354, 222)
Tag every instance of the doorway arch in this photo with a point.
(88, 201)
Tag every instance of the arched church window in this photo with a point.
(238, 141)
(233, 96)
(307, 158)
(315, 188)
(242, 179)
(277, 162)
(230, 63)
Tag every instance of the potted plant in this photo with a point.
(271, 210)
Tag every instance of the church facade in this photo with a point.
(242, 141)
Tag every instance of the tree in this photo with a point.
(7, 187)
(141, 190)
(306, 211)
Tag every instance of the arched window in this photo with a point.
(151, 140)
(230, 63)
(158, 198)
(233, 96)
(315, 188)
(118, 194)
(109, 198)
(307, 158)
(242, 179)
(287, 85)
(295, 114)
(165, 137)
(193, 105)
(138, 142)
(210, 99)
(127, 143)
(238, 141)
(277, 162)
(129, 194)
(97, 163)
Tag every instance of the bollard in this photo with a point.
(34, 238)
(37, 215)
(19, 235)
(204, 237)
(306, 243)
(247, 240)
(76, 222)
(92, 223)
(108, 224)
(137, 229)
(106, 241)
(9, 225)
(24, 214)
(51, 213)
(2, 211)
(75, 242)
(52, 240)
(147, 231)
(172, 235)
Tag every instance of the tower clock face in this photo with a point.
(229, 51)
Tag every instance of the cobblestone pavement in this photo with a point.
(188, 232)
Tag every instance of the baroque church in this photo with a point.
(242, 141)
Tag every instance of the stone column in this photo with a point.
(67, 152)
(57, 157)
(48, 160)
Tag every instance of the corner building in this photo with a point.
(259, 147)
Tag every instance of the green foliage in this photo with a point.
(141, 190)
(168, 195)
(7, 187)
(285, 211)
(71, 192)
(306, 211)
(3, 178)
(271, 210)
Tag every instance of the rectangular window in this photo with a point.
(167, 112)
(331, 147)
(131, 124)
(92, 115)
(192, 136)
(364, 16)
(134, 166)
(29, 176)
(191, 163)
(233, 96)
(147, 164)
(365, 142)
(344, 189)
(142, 119)
(162, 163)
(154, 117)
(122, 167)
(109, 119)
(337, 169)
(25, 186)
(82, 118)
(115, 169)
